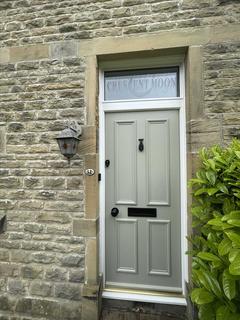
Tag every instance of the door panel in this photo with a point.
(143, 251)
(157, 162)
(125, 159)
(159, 247)
(126, 245)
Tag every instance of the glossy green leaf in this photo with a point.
(224, 247)
(219, 223)
(233, 236)
(223, 313)
(222, 188)
(209, 282)
(208, 256)
(234, 267)
(211, 176)
(229, 285)
(233, 253)
(212, 191)
(201, 296)
(234, 222)
(206, 312)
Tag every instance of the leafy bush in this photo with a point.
(216, 238)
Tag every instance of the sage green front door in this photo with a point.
(143, 219)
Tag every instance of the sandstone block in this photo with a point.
(33, 227)
(76, 276)
(2, 140)
(72, 260)
(28, 53)
(32, 182)
(42, 257)
(54, 217)
(10, 182)
(54, 182)
(71, 311)
(9, 270)
(4, 55)
(69, 206)
(74, 182)
(68, 291)
(63, 49)
(16, 287)
(6, 304)
(84, 228)
(56, 274)
(46, 308)
(43, 289)
(32, 272)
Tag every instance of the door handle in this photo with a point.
(140, 146)
(114, 212)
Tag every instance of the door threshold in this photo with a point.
(144, 296)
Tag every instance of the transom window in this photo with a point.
(141, 84)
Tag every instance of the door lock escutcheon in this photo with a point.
(107, 163)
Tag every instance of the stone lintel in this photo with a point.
(29, 53)
(63, 49)
(173, 38)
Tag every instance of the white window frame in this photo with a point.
(134, 105)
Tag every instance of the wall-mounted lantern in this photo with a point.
(68, 139)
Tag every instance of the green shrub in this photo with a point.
(216, 237)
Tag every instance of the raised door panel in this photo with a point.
(159, 247)
(125, 136)
(157, 148)
(126, 245)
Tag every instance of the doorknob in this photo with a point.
(114, 212)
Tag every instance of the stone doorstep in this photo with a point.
(130, 310)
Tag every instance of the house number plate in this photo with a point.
(89, 172)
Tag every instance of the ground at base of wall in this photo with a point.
(126, 310)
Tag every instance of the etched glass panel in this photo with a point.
(141, 84)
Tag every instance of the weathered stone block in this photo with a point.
(85, 228)
(41, 289)
(16, 287)
(42, 257)
(54, 182)
(56, 274)
(46, 308)
(4, 55)
(71, 311)
(91, 261)
(28, 53)
(6, 304)
(10, 182)
(68, 291)
(72, 260)
(63, 49)
(54, 217)
(76, 276)
(32, 272)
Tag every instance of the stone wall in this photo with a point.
(48, 254)
(40, 21)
